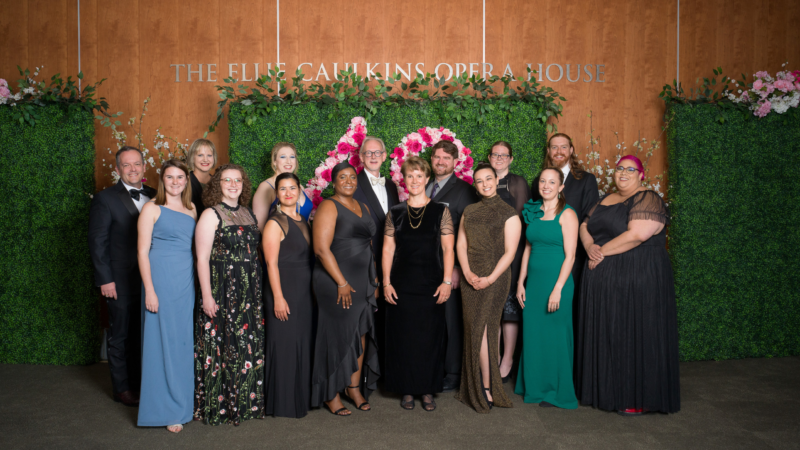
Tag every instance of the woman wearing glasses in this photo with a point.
(284, 160)
(229, 365)
(627, 358)
(513, 189)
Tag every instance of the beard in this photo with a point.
(558, 163)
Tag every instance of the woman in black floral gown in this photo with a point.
(229, 353)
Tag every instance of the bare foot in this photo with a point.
(336, 407)
(355, 395)
(175, 428)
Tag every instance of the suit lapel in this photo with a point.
(126, 199)
(374, 203)
(446, 188)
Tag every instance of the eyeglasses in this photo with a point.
(373, 154)
(232, 180)
(499, 156)
(620, 169)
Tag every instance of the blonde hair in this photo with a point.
(161, 194)
(195, 147)
(274, 152)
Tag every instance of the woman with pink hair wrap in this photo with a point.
(627, 358)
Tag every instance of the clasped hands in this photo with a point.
(477, 283)
(595, 255)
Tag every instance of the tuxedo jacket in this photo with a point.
(457, 194)
(113, 238)
(365, 194)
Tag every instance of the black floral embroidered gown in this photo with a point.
(229, 356)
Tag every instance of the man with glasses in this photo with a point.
(380, 194)
(113, 238)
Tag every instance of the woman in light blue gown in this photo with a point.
(166, 231)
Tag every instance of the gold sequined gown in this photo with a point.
(484, 225)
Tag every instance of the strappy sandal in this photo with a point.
(338, 412)
(177, 428)
(486, 397)
(407, 405)
(365, 403)
(427, 405)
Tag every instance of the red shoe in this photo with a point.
(630, 412)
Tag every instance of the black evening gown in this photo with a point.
(415, 327)
(288, 356)
(628, 334)
(339, 330)
(513, 189)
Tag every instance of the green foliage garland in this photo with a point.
(733, 240)
(48, 305)
(450, 101)
(315, 132)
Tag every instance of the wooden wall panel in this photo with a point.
(133, 43)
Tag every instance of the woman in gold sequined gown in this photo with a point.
(487, 242)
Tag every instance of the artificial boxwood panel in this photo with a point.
(48, 306)
(735, 237)
(309, 128)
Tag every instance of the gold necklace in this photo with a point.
(411, 216)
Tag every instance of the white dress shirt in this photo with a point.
(380, 191)
(565, 169)
(142, 198)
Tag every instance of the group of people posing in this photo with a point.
(224, 313)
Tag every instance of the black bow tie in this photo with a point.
(135, 193)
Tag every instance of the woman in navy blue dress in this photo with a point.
(166, 230)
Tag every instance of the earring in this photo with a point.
(278, 207)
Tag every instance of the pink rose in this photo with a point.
(360, 129)
(397, 153)
(344, 148)
(425, 136)
(796, 74)
(468, 162)
(762, 74)
(414, 146)
(326, 175)
(358, 138)
(764, 109)
(758, 84)
(784, 86)
(4, 92)
(316, 201)
(447, 138)
(467, 178)
(355, 161)
(466, 151)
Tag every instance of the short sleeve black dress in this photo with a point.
(338, 343)
(415, 327)
(627, 354)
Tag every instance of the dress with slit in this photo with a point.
(415, 326)
(627, 354)
(339, 330)
(288, 355)
(484, 225)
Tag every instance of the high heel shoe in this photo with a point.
(489, 390)
(365, 403)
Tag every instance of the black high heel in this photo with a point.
(365, 403)
(486, 397)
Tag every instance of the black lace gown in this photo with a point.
(628, 334)
(415, 327)
(288, 355)
(338, 342)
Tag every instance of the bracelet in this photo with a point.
(447, 282)
(345, 284)
(386, 285)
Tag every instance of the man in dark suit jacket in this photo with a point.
(112, 245)
(379, 193)
(457, 195)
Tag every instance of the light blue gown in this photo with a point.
(167, 394)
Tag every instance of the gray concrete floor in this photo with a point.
(749, 404)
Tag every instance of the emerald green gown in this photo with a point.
(545, 367)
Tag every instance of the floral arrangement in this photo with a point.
(415, 143)
(604, 169)
(160, 147)
(346, 150)
(767, 94)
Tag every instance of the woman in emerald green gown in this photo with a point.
(545, 368)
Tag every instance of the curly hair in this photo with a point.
(575, 166)
(212, 194)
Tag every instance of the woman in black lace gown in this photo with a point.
(417, 255)
(514, 190)
(229, 352)
(345, 281)
(288, 306)
(627, 359)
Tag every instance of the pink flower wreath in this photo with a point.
(416, 143)
(346, 149)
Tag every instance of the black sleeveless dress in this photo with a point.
(628, 332)
(288, 356)
(339, 330)
(415, 327)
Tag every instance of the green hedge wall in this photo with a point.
(734, 238)
(309, 127)
(48, 306)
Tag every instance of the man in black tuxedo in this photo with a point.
(112, 245)
(380, 194)
(581, 193)
(457, 194)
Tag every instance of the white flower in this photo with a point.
(158, 171)
(166, 145)
(3, 100)
(17, 96)
(151, 161)
(29, 90)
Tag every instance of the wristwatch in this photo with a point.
(447, 282)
